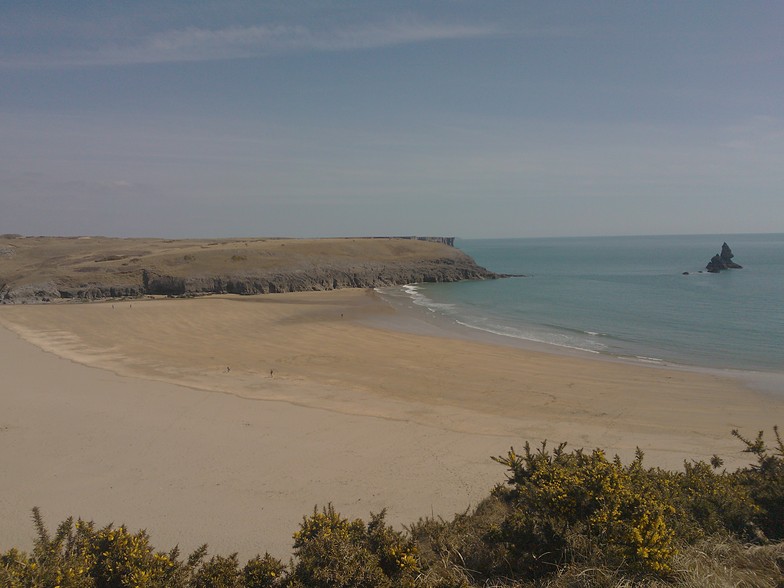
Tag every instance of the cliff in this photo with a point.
(44, 269)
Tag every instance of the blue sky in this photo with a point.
(327, 118)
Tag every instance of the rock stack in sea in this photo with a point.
(722, 261)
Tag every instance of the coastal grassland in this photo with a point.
(564, 518)
(40, 258)
(45, 269)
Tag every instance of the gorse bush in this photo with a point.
(82, 556)
(564, 503)
(263, 572)
(335, 552)
(564, 518)
(60, 560)
(765, 483)
(219, 572)
(707, 502)
(118, 558)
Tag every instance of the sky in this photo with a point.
(468, 118)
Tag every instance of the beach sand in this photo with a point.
(226, 419)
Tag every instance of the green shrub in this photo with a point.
(118, 558)
(264, 572)
(397, 554)
(765, 483)
(565, 503)
(335, 552)
(55, 561)
(219, 572)
(707, 502)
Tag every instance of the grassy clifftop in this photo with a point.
(50, 268)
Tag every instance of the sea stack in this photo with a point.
(722, 261)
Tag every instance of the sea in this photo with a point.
(645, 299)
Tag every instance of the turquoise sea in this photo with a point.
(625, 297)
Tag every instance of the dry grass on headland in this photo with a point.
(42, 269)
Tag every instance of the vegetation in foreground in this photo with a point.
(565, 518)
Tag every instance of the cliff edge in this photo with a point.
(45, 269)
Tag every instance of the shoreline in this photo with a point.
(419, 320)
(183, 411)
(331, 381)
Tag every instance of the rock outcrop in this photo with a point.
(360, 275)
(51, 268)
(722, 261)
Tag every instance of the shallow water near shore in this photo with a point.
(625, 297)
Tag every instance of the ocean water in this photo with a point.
(626, 297)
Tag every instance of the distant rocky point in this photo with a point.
(445, 240)
(722, 261)
(46, 269)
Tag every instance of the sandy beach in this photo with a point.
(225, 419)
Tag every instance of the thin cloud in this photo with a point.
(199, 44)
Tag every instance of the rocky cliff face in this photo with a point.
(109, 268)
(362, 275)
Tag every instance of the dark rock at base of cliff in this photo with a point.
(37, 292)
(360, 275)
(100, 291)
(365, 275)
(722, 261)
(50, 291)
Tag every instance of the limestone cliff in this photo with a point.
(42, 269)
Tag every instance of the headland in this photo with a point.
(46, 269)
